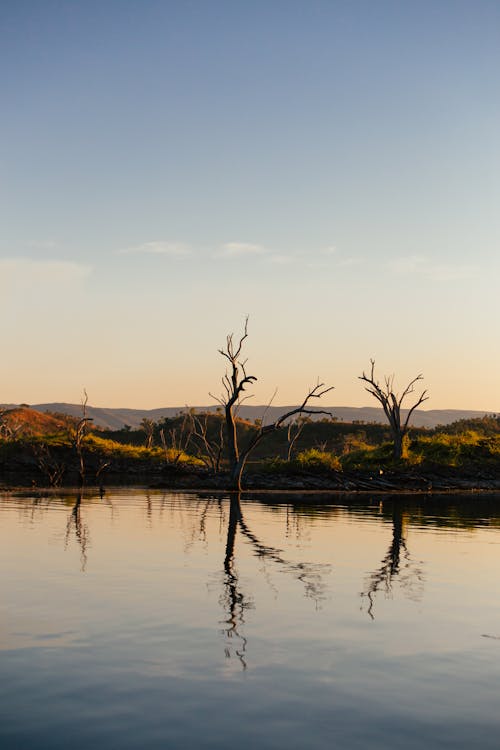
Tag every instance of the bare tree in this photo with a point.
(176, 442)
(48, 465)
(391, 403)
(8, 427)
(293, 433)
(99, 474)
(209, 449)
(234, 384)
(79, 436)
(148, 427)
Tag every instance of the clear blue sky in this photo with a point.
(331, 169)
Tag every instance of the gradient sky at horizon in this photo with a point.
(330, 169)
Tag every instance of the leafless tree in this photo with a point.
(8, 428)
(99, 474)
(293, 433)
(148, 427)
(176, 442)
(234, 383)
(391, 403)
(209, 449)
(78, 438)
(48, 465)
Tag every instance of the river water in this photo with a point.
(170, 620)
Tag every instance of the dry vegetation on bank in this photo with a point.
(190, 450)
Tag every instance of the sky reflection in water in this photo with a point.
(150, 620)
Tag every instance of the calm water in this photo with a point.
(153, 620)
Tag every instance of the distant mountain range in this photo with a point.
(115, 419)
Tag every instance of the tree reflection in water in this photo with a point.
(397, 564)
(234, 601)
(81, 531)
(80, 528)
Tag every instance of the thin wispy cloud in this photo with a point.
(409, 264)
(25, 272)
(320, 258)
(329, 258)
(42, 244)
(279, 258)
(453, 273)
(240, 250)
(347, 262)
(419, 265)
(157, 247)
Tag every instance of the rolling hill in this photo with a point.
(115, 419)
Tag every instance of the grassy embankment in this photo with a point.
(40, 448)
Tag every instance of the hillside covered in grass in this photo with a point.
(190, 450)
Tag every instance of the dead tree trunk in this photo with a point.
(78, 441)
(48, 465)
(391, 403)
(209, 450)
(234, 383)
(294, 431)
(148, 427)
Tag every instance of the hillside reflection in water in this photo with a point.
(148, 619)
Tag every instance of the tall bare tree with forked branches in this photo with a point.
(392, 403)
(234, 382)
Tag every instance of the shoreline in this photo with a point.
(352, 484)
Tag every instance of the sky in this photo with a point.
(330, 169)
